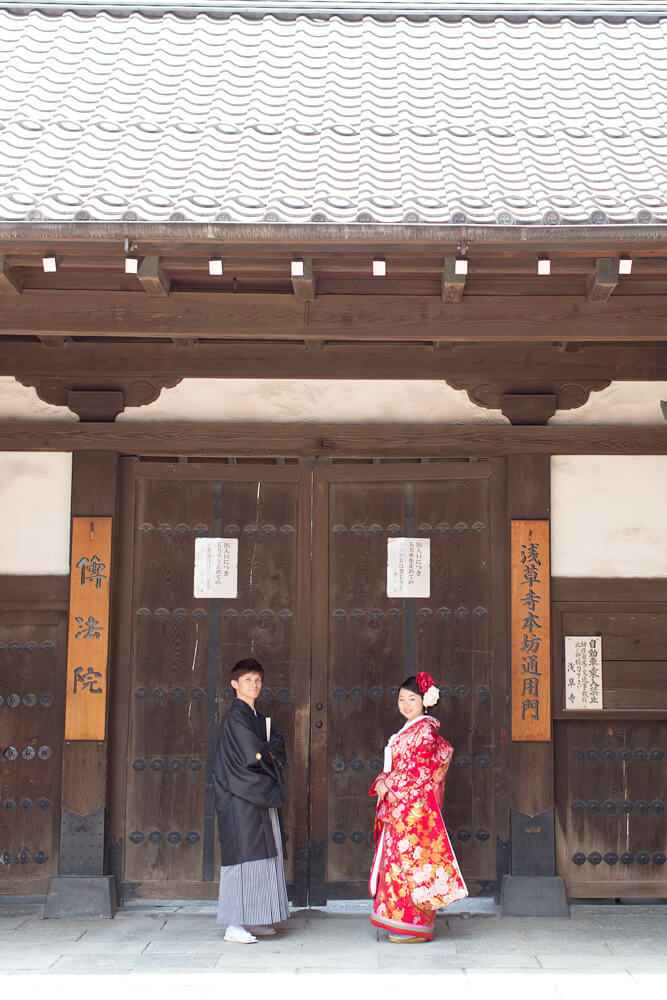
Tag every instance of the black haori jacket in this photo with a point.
(247, 785)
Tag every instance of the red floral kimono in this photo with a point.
(414, 869)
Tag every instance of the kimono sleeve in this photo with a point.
(276, 749)
(244, 767)
(425, 764)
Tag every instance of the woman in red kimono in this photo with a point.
(414, 869)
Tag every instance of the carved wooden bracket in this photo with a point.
(102, 400)
(524, 402)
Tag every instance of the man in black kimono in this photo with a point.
(249, 790)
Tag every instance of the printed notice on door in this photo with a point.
(216, 567)
(408, 567)
(583, 672)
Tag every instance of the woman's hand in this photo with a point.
(382, 791)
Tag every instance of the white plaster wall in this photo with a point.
(314, 401)
(35, 491)
(609, 516)
(20, 403)
(636, 403)
(322, 400)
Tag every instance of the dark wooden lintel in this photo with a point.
(603, 281)
(377, 318)
(527, 366)
(340, 440)
(11, 278)
(152, 277)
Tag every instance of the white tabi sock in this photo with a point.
(239, 935)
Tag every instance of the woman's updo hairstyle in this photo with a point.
(423, 685)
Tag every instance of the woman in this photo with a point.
(414, 869)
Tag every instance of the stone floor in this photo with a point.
(177, 948)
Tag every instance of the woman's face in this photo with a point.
(410, 704)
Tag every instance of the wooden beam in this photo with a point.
(453, 284)
(11, 278)
(304, 285)
(152, 277)
(534, 363)
(342, 440)
(603, 281)
(220, 315)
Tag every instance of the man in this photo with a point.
(249, 790)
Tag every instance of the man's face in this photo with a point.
(247, 687)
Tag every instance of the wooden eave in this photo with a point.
(90, 324)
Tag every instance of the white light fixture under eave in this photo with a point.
(131, 265)
(379, 267)
(461, 265)
(50, 264)
(215, 266)
(296, 269)
(625, 265)
(543, 266)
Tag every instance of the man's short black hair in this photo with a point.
(247, 666)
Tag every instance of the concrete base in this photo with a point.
(81, 896)
(533, 896)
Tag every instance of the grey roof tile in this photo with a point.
(332, 120)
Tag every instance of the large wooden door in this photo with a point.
(365, 644)
(336, 701)
(173, 674)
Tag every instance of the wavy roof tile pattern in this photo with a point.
(201, 119)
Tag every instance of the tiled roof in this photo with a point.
(304, 119)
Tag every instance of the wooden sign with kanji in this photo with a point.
(531, 631)
(88, 639)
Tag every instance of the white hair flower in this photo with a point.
(431, 696)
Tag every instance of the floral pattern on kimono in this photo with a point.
(414, 870)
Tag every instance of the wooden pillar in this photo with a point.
(83, 888)
(532, 887)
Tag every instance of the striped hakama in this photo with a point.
(254, 892)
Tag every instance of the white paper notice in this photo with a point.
(408, 567)
(216, 567)
(583, 672)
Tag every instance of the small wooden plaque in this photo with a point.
(531, 631)
(88, 640)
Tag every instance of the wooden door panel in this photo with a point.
(365, 656)
(454, 643)
(183, 648)
(369, 643)
(32, 670)
(166, 764)
(610, 796)
(261, 621)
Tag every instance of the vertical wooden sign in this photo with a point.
(531, 628)
(88, 640)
